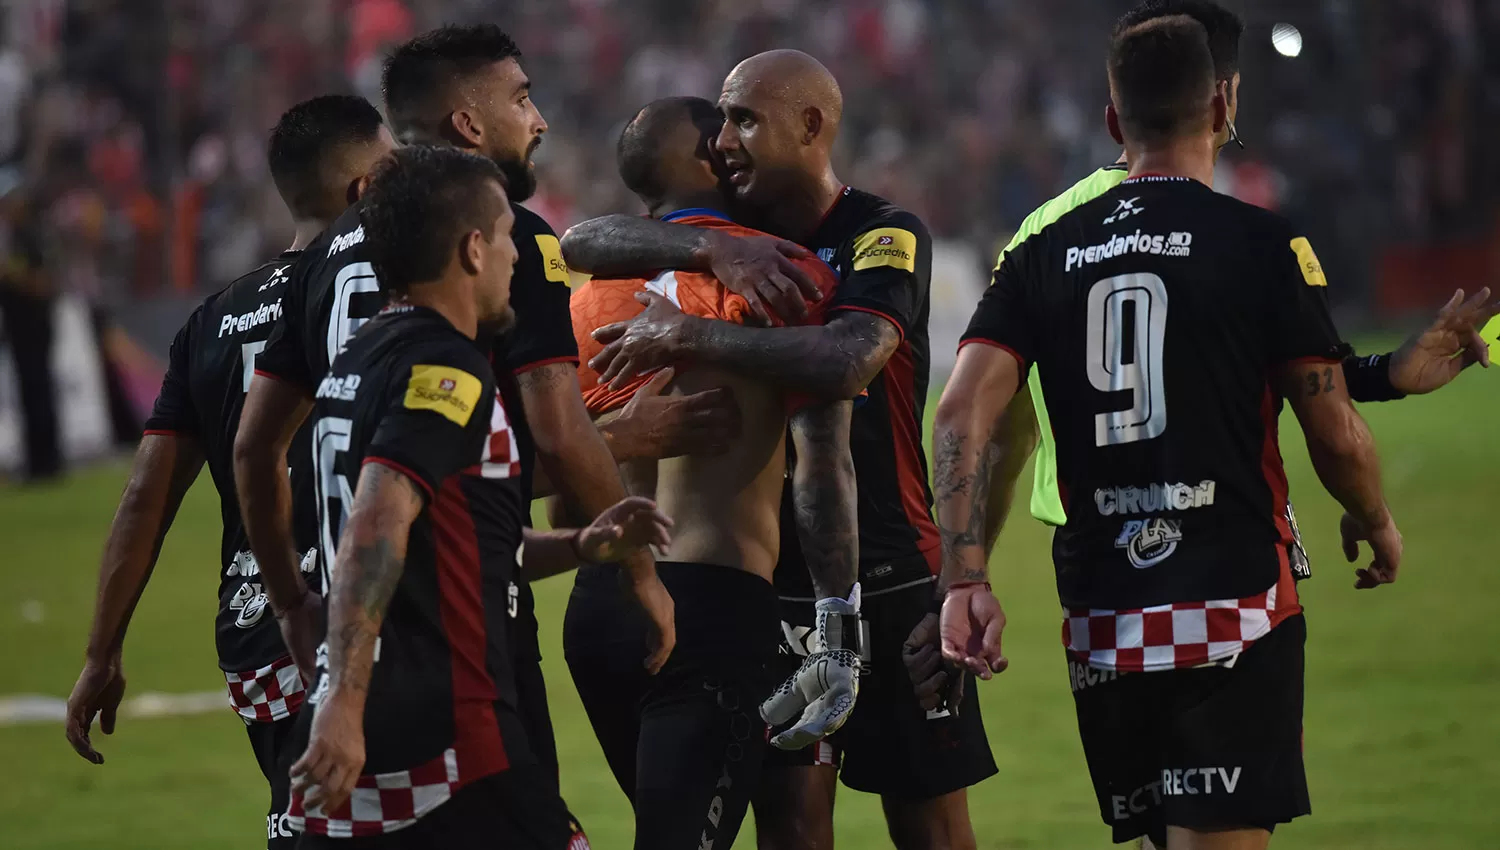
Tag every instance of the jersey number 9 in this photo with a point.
(1127, 328)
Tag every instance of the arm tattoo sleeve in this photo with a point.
(824, 494)
(832, 361)
(627, 244)
(370, 560)
(952, 487)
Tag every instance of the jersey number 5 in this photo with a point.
(1127, 329)
(330, 438)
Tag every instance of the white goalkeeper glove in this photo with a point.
(820, 695)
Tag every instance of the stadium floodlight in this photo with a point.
(1287, 40)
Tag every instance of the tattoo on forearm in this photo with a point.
(824, 494)
(621, 244)
(833, 361)
(366, 573)
(951, 486)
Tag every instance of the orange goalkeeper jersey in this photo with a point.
(603, 301)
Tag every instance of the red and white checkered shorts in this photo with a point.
(266, 695)
(383, 802)
(1169, 637)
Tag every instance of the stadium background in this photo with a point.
(131, 138)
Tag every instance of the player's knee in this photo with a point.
(940, 823)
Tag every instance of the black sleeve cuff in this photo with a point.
(1369, 378)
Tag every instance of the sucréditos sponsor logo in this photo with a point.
(1175, 782)
(1175, 244)
(264, 314)
(347, 240)
(341, 387)
(1148, 542)
(1154, 497)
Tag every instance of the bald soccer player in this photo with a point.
(687, 745)
(782, 112)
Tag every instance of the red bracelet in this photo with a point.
(959, 585)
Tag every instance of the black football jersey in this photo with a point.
(883, 256)
(1157, 316)
(209, 369)
(412, 393)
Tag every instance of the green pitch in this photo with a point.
(1403, 728)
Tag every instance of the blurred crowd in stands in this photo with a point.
(133, 129)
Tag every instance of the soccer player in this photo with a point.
(319, 151)
(1426, 362)
(416, 738)
(688, 745)
(1166, 341)
(782, 112)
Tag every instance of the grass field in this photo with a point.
(1403, 703)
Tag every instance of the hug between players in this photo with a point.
(773, 589)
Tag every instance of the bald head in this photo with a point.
(794, 78)
(781, 116)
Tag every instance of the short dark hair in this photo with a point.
(425, 65)
(421, 201)
(305, 141)
(642, 142)
(1224, 28)
(1161, 76)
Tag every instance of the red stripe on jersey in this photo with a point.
(476, 732)
(979, 340)
(911, 474)
(540, 363)
(1287, 603)
(158, 432)
(873, 312)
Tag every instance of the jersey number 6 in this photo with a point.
(1127, 329)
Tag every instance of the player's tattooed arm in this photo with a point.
(824, 494)
(760, 269)
(830, 362)
(1342, 451)
(1012, 443)
(371, 556)
(977, 395)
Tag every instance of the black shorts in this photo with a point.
(686, 744)
(531, 685)
(890, 745)
(272, 745)
(513, 809)
(1205, 748)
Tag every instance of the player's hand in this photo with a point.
(818, 698)
(100, 688)
(302, 630)
(938, 685)
(1434, 357)
(760, 270)
(629, 525)
(1385, 545)
(970, 628)
(661, 615)
(326, 773)
(705, 423)
(643, 344)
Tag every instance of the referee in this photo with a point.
(1166, 340)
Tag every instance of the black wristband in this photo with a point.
(1369, 378)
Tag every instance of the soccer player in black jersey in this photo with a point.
(318, 150)
(782, 111)
(415, 738)
(1167, 341)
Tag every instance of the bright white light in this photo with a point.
(1287, 40)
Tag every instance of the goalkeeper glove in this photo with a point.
(820, 695)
